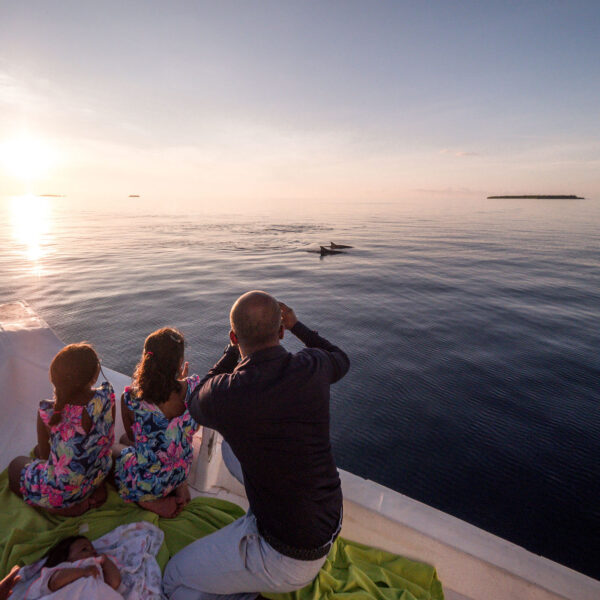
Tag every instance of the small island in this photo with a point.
(547, 197)
(134, 196)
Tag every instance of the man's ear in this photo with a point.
(233, 338)
(281, 331)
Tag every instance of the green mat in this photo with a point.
(26, 534)
(352, 571)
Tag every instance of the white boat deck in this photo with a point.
(471, 563)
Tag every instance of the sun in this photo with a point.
(26, 157)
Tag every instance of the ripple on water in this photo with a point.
(473, 337)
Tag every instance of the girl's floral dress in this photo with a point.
(161, 457)
(78, 461)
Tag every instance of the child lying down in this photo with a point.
(70, 562)
(120, 564)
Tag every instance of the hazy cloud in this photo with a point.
(450, 191)
(11, 92)
(458, 153)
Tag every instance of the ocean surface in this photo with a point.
(473, 327)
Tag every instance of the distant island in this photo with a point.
(134, 195)
(52, 196)
(540, 197)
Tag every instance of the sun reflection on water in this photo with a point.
(32, 230)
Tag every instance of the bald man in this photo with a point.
(272, 407)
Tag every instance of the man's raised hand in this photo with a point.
(288, 316)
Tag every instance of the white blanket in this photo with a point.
(92, 588)
(133, 549)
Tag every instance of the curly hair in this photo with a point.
(71, 370)
(155, 376)
(59, 553)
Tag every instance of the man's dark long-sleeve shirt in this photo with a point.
(273, 409)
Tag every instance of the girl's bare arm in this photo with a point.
(63, 577)
(111, 573)
(128, 418)
(43, 436)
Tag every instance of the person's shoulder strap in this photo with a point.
(102, 402)
(46, 409)
(193, 383)
(132, 402)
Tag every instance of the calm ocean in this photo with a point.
(472, 327)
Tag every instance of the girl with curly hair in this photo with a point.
(153, 467)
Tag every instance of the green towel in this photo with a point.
(352, 571)
(26, 534)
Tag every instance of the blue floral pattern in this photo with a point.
(161, 457)
(78, 461)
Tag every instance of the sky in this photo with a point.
(295, 101)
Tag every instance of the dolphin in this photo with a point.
(338, 246)
(325, 251)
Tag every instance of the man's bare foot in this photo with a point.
(71, 511)
(167, 507)
(98, 497)
(183, 493)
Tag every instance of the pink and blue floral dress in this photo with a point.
(79, 461)
(161, 457)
